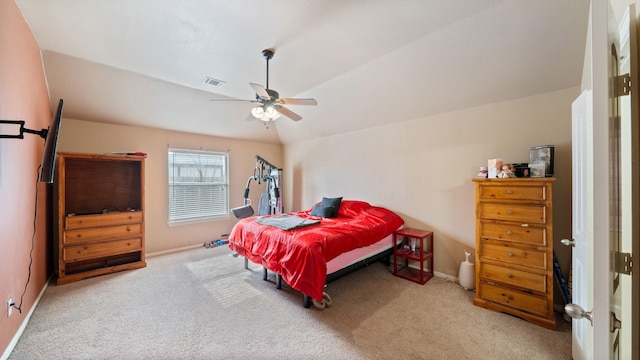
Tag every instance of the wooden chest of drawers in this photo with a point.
(514, 248)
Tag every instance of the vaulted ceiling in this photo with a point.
(366, 62)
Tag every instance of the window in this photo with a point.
(198, 185)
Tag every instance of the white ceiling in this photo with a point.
(367, 62)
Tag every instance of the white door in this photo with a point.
(590, 260)
(605, 206)
(582, 255)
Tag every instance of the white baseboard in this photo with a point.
(446, 277)
(164, 252)
(437, 274)
(18, 334)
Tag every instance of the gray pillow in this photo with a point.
(322, 211)
(332, 202)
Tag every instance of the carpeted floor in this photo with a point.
(203, 304)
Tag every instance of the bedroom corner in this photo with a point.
(422, 168)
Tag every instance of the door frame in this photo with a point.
(600, 33)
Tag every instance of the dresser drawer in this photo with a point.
(514, 255)
(526, 214)
(514, 233)
(96, 250)
(89, 221)
(522, 301)
(102, 233)
(523, 279)
(536, 192)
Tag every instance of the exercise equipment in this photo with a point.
(270, 200)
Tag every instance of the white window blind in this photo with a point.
(198, 185)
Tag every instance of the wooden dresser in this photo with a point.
(100, 215)
(514, 248)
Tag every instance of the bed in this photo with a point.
(324, 243)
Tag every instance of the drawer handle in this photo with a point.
(128, 229)
(509, 232)
(510, 276)
(130, 217)
(510, 297)
(79, 236)
(509, 191)
(509, 212)
(510, 254)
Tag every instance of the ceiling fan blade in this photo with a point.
(290, 101)
(260, 91)
(233, 100)
(288, 113)
(249, 118)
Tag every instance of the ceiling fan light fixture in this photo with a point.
(257, 112)
(271, 112)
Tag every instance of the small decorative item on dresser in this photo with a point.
(494, 165)
(508, 171)
(541, 157)
(521, 170)
(537, 170)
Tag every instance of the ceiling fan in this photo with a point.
(271, 104)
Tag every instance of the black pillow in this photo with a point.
(322, 211)
(332, 202)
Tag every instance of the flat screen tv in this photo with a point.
(50, 146)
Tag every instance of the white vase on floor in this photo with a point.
(467, 273)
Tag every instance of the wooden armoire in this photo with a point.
(99, 215)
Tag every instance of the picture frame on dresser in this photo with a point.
(537, 170)
(541, 158)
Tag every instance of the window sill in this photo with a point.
(198, 220)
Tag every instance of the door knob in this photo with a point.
(567, 242)
(576, 312)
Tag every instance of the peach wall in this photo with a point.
(422, 168)
(92, 137)
(23, 96)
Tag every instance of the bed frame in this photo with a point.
(384, 256)
(347, 250)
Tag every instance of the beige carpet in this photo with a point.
(202, 304)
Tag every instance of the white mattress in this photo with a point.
(353, 256)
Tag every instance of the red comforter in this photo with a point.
(300, 255)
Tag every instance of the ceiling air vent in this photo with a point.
(213, 82)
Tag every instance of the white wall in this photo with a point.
(91, 137)
(422, 168)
